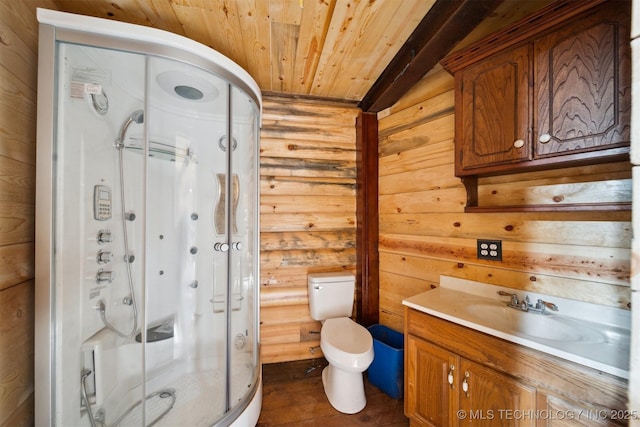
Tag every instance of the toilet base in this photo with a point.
(345, 390)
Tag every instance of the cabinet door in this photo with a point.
(494, 120)
(583, 84)
(488, 398)
(429, 394)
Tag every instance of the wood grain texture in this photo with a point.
(308, 214)
(583, 84)
(545, 93)
(16, 357)
(493, 110)
(440, 30)
(550, 375)
(367, 214)
(16, 264)
(293, 396)
(332, 49)
(538, 17)
(18, 87)
(424, 231)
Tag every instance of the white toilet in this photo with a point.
(347, 346)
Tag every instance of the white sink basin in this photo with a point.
(585, 333)
(550, 327)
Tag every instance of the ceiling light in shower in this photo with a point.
(188, 92)
(187, 86)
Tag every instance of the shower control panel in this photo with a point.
(101, 202)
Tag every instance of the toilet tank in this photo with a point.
(331, 294)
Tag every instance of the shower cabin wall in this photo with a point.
(87, 158)
(163, 327)
(87, 164)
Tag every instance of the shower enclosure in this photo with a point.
(147, 252)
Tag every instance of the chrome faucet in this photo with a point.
(543, 305)
(525, 305)
(514, 303)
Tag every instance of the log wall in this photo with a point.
(424, 232)
(18, 84)
(308, 208)
(308, 215)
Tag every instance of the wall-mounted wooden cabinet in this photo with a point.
(457, 376)
(551, 91)
(582, 85)
(493, 120)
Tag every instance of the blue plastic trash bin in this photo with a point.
(387, 369)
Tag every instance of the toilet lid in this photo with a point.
(346, 335)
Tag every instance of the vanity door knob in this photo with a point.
(518, 143)
(450, 376)
(465, 383)
(544, 138)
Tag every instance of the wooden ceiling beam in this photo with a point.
(446, 24)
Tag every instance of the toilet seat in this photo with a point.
(346, 343)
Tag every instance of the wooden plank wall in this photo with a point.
(18, 84)
(308, 215)
(425, 233)
(308, 206)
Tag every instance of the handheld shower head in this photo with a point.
(135, 117)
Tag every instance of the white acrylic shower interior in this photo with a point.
(172, 245)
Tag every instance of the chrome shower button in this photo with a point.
(104, 276)
(104, 236)
(103, 257)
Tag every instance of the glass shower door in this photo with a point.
(244, 254)
(186, 272)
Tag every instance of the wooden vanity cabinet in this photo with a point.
(552, 90)
(506, 384)
(441, 383)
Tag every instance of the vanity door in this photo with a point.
(430, 393)
(490, 399)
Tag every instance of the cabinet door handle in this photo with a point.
(465, 383)
(518, 143)
(450, 376)
(544, 138)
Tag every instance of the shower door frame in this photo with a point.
(82, 30)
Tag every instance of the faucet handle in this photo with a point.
(542, 304)
(514, 297)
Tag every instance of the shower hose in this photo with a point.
(163, 394)
(132, 299)
(83, 389)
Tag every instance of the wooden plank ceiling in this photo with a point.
(322, 48)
